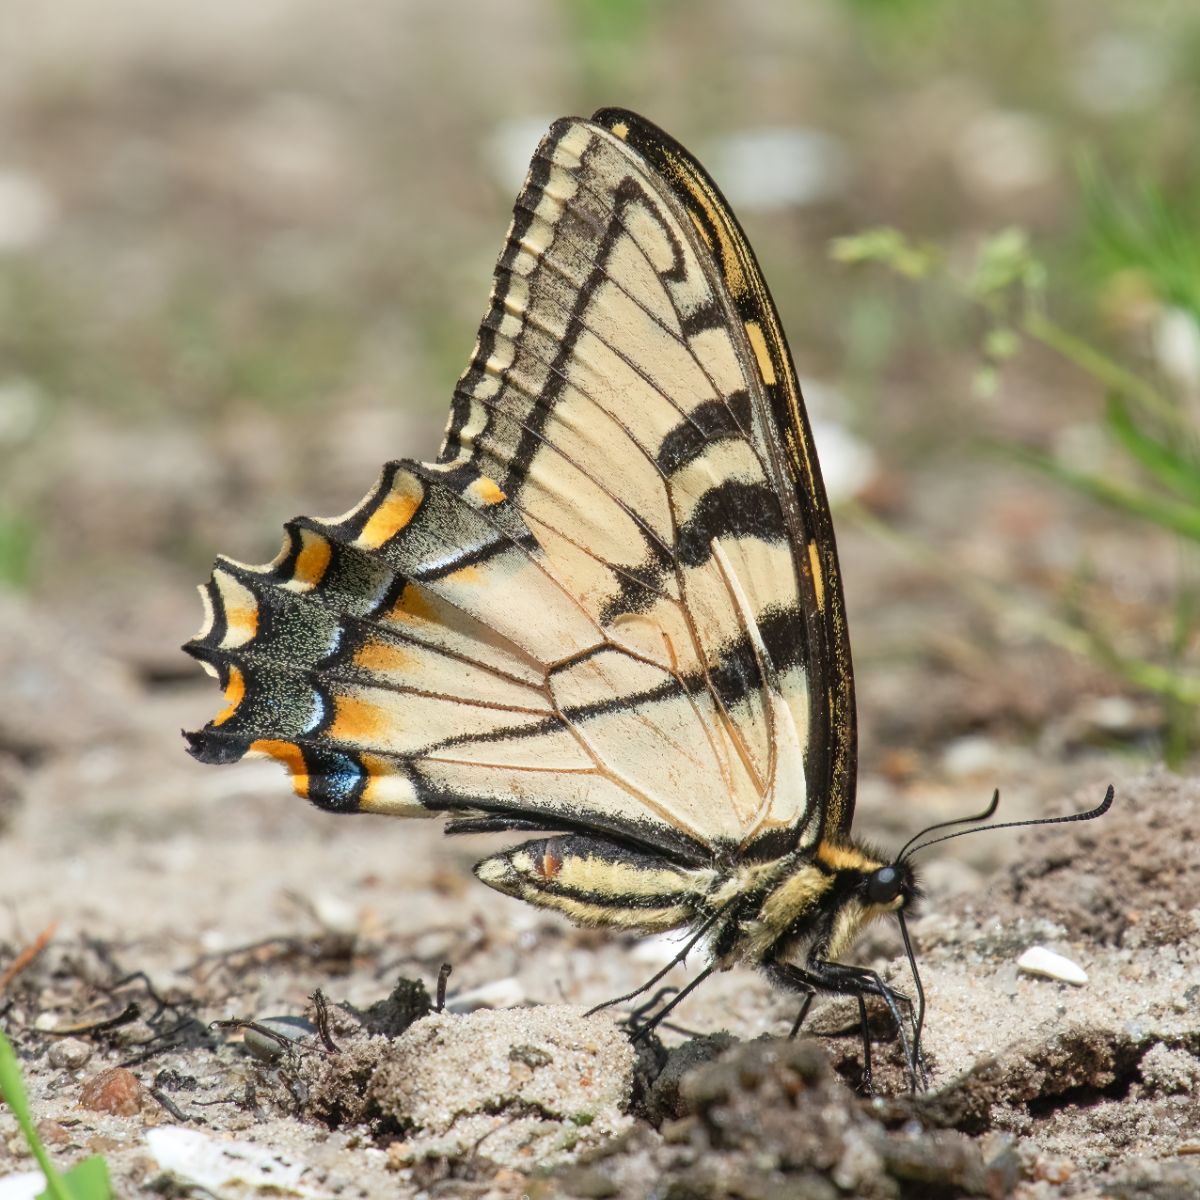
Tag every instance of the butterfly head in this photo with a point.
(891, 887)
(863, 886)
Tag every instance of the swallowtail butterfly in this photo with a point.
(609, 614)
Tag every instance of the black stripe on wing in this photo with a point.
(830, 762)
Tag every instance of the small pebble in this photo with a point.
(54, 1133)
(116, 1091)
(70, 1054)
(136, 1033)
(1053, 1170)
(1037, 960)
(265, 1047)
(500, 993)
(334, 914)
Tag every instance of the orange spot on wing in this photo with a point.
(412, 606)
(487, 490)
(383, 658)
(241, 622)
(356, 720)
(291, 756)
(388, 519)
(470, 574)
(235, 692)
(374, 767)
(313, 560)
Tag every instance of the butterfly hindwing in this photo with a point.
(611, 605)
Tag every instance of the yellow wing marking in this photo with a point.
(818, 574)
(311, 563)
(758, 343)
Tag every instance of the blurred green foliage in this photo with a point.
(1151, 423)
(609, 38)
(1142, 233)
(18, 537)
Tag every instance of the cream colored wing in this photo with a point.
(595, 610)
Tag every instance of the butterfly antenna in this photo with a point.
(983, 816)
(1090, 815)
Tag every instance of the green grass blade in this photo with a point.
(1180, 518)
(1088, 643)
(87, 1180)
(1100, 366)
(1170, 468)
(12, 1088)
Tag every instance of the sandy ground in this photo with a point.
(183, 897)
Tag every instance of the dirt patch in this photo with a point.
(1146, 888)
(1038, 1089)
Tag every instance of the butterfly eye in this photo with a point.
(883, 886)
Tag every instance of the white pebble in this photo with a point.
(334, 914)
(500, 993)
(225, 1167)
(1037, 960)
(27, 1185)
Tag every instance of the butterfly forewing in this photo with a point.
(612, 604)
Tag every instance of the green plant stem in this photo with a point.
(1183, 519)
(1087, 358)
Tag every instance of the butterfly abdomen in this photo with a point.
(595, 882)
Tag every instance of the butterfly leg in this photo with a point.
(864, 982)
(817, 975)
(658, 1017)
(805, 1005)
(679, 958)
(918, 1074)
(865, 1026)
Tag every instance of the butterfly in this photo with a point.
(609, 614)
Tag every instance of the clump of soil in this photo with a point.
(513, 1087)
(1131, 877)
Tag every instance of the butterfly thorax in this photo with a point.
(817, 904)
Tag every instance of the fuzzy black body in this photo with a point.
(794, 916)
